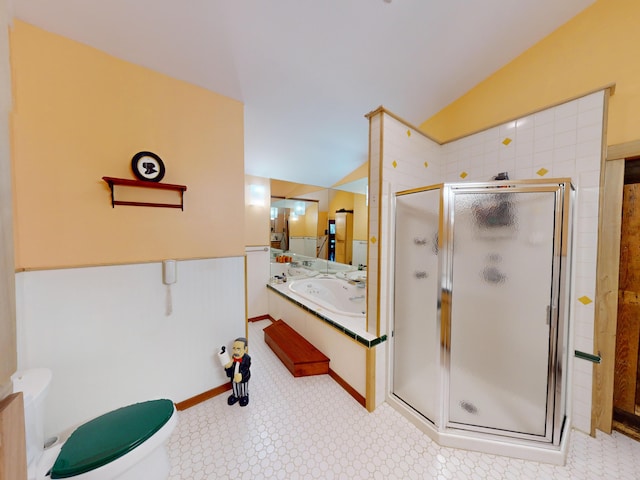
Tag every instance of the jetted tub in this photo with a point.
(332, 294)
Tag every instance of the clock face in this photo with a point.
(147, 166)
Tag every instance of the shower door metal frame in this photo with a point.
(558, 313)
(438, 419)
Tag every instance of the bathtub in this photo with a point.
(334, 295)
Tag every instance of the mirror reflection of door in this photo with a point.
(626, 390)
(279, 228)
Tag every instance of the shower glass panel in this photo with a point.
(502, 273)
(479, 345)
(416, 365)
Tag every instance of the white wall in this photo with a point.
(106, 335)
(258, 273)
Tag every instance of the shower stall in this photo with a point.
(479, 345)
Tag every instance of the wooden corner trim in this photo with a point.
(214, 392)
(350, 390)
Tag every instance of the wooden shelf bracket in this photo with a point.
(112, 182)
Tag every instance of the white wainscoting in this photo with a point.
(296, 245)
(303, 245)
(106, 334)
(258, 273)
(310, 246)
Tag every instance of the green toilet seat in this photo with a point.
(110, 436)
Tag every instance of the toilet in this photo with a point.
(125, 444)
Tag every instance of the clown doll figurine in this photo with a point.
(238, 371)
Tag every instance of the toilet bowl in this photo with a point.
(125, 444)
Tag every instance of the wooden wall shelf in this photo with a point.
(112, 182)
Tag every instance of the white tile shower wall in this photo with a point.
(563, 141)
(106, 335)
(410, 160)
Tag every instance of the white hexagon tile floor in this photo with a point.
(310, 428)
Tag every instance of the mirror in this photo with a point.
(310, 222)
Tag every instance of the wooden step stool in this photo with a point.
(298, 355)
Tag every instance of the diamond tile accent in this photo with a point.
(542, 172)
(585, 300)
(395, 164)
(464, 175)
(506, 141)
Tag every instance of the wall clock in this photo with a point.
(147, 166)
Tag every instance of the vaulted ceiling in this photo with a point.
(308, 71)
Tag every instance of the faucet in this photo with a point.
(357, 283)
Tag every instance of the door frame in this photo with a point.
(607, 272)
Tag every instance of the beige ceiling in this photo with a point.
(308, 71)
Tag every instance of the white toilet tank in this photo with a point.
(34, 385)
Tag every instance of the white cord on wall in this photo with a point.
(169, 304)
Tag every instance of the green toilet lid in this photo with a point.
(108, 437)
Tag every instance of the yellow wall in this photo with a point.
(359, 173)
(340, 200)
(597, 47)
(355, 202)
(297, 227)
(360, 217)
(79, 115)
(323, 223)
(311, 220)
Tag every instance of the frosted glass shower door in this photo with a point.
(416, 338)
(502, 264)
